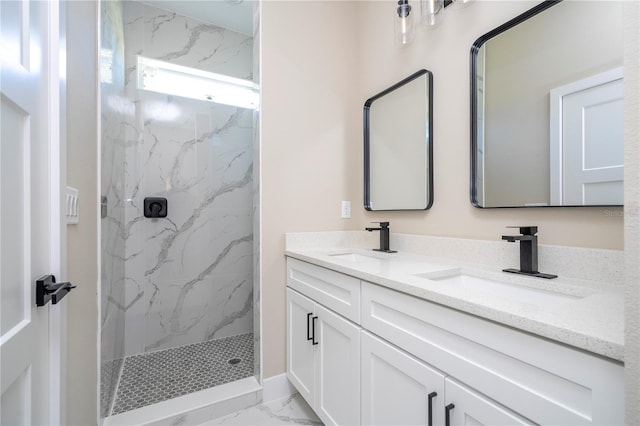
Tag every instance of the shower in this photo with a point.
(179, 233)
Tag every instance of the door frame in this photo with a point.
(555, 125)
(58, 177)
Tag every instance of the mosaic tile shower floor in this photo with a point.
(158, 376)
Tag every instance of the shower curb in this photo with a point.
(195, 408)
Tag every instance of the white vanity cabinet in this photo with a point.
(323, 348)
(384, 357)
(528, 377)
(398, 389)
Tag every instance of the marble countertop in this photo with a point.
(584, 314)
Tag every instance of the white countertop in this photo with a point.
(585, 314)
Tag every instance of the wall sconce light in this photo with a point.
(404, 23)
(430, 11)
(164, 77)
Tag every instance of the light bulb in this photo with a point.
(431, 10)
(404, 23)
(460, 3)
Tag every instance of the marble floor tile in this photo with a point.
(287, 411)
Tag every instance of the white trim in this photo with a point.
(98, 218)
(259, 212)
(277, 387)
(57, 227)
(555, 125)
(194, 408)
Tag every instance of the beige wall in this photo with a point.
(82, 239)
(310, 138)
(320, 62)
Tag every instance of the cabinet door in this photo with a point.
(300, 349)
(396, 387)
(466, 407)
(337, 398)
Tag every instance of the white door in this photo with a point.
(466, 407)
(337, 399)
(397, 389)
(591, 141)
(300, 347)
(30, 212)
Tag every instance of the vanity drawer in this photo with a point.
(546, 382)
(336, 291)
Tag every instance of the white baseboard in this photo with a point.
(277, 387)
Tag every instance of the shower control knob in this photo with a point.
(155, 207)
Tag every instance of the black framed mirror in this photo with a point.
(398, 146)
(546, 108)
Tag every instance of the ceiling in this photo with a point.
(235, 15)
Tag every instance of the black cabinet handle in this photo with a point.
(447, 414)
(309, 337)
(313, 328)
(431, 396)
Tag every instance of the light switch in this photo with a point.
(346, 210)
(72, 205)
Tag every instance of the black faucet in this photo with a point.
(384, 237)
(528, 252)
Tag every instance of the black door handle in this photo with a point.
(431, 396)
(447, 414)
(48, 290)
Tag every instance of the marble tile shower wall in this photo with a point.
(189, 277)
(113, 109)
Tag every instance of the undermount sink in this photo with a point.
(504, 290)
(355, 257)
